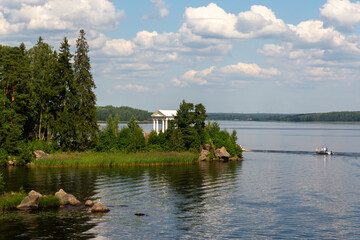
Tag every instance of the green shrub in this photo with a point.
(3, 157)
(11, 200)
(2, 184)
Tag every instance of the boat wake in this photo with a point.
(347, 154)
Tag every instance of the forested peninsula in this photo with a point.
(47, 102)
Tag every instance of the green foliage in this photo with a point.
(128, 139)
(3, 156)
(186, 131)
(43, 96)
(49, 201)
(11, 200)
(2, 184)
(87, 129)
(124, 113)
(221, 138)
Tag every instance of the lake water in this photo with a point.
(286, 193)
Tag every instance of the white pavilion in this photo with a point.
(164, 116)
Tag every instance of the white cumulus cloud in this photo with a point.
(132, 87)
(344, 14)
(161, 10)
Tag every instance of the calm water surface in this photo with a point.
(288, 193)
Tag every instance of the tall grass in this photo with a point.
(11, 200)
(49, 201)
(88, 159)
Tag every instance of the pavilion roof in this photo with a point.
(164, 113)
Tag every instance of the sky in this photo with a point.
(247, 56)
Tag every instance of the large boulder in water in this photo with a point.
(222, 154)
(30, 202)
(67, 199)
(99, 207)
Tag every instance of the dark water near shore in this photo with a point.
(286, 193)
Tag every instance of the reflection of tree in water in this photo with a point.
(194, 188)
(77, 181)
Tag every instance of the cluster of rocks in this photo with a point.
(220, 154)
(11, 161)
(31, 202)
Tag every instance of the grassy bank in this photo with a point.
(90, 159)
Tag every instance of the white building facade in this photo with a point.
(162, 116)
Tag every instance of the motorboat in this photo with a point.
(323, 151)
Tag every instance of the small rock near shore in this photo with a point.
(89, 203)
(99, 207)
(66, 198)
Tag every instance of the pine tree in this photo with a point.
(87, 129)
(66, 122)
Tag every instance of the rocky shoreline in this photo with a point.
(31, 202)
(209, 153)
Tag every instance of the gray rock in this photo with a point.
(99, 207)
(38, 154)
(222, 154)
(32, 192)
(29, 203)
(203, 155)
(206, 147)
(67, 199)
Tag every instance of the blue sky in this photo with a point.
(247, 56)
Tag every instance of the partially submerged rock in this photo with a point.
(30, 202)
(89, 203)
(66, 198)
(38, 154)
(140, 214)
(99, 207)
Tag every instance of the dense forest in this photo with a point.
(309, 117)
(46, 97)
(124, 113)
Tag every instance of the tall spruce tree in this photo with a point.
(87, 129)
(66, 123)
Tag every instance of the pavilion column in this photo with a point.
(163, 125)
(166, 124)
(157, 126)
(154, 128)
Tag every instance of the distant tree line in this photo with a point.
(46, 98)
(309, 117)
(124, 113)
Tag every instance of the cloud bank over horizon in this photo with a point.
(163, 51)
